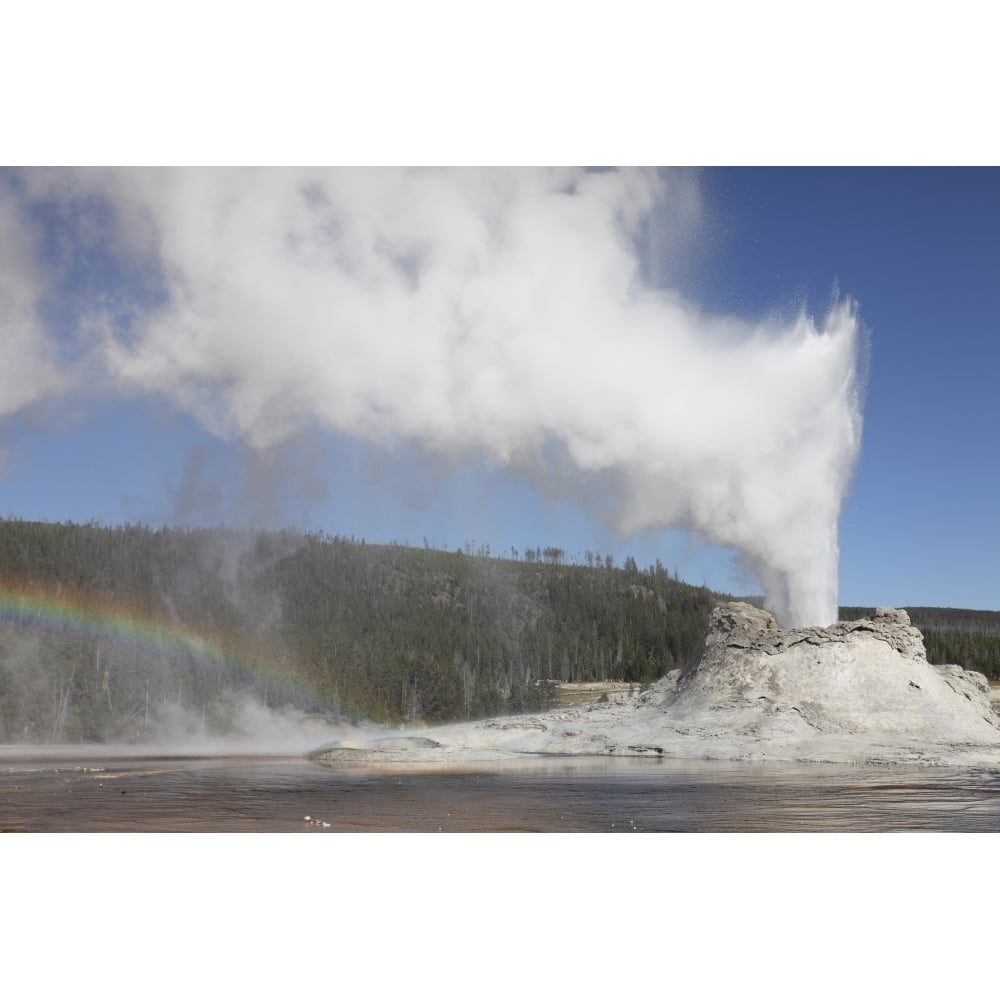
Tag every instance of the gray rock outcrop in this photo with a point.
(865, 677)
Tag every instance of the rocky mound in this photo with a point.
(859, 692)
(863, 677)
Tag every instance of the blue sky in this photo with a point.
(916, 248)
(919, 250)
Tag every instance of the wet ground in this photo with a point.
(84, 791)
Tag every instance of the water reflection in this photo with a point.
(55, 789)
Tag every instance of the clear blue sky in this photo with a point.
(918, 249)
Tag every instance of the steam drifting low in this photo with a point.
(497, 312)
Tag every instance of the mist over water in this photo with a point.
(239, 722)
(506, 313)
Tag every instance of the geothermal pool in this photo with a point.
(86, 790)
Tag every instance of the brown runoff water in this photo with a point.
(85, 790)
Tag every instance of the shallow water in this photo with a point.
(85, 790)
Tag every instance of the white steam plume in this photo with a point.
(28, 370)
(498, 311)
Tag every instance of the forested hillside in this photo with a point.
(104, 632)
(103, 629)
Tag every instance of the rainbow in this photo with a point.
(59, 610)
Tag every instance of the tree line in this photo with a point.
(391, 633)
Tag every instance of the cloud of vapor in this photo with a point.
(238, 722)
(29, 371)
(506, 312)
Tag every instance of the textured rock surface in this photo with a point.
(857, 692)
(739, 626)
(863, 677)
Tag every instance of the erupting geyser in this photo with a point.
(768, 468)
(499, 312)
